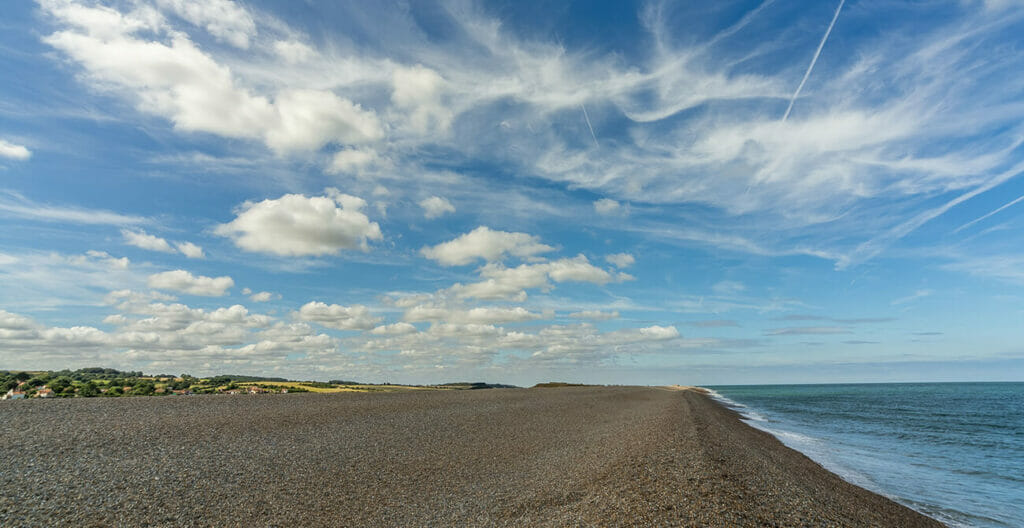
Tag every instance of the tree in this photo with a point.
(143, 388)
(59, 384)
(88, 390)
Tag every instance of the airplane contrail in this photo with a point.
(587, 118)
(813, 60)
(979, 219)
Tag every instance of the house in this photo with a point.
(14, 395)
(256, 390)
(284, 390)
(44, 392)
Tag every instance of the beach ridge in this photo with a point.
(579, 456)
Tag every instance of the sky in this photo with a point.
(727, 192)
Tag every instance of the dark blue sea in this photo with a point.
(953, 451)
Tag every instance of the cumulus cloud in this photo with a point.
(621, 260)
(296, 225)
(511, 283)
(143, 240)
(310, 119)
(484, 243)
(13, 151)
(400, 328)
(262, 296)
(356, 317)
(185, 282)
(478, 315)
(435, 207)
(190, 250)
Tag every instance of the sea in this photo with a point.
(953, 451)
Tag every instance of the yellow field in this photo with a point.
(346, 388)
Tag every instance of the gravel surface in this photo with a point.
(579, 456)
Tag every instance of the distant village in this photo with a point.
(107, 382)
(23, 390)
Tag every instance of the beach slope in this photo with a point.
(572, 456)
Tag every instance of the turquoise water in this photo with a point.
(954, 451)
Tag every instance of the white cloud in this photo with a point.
(296, 225)
(621, 260)
(185, 282)
(483, 243)
(478, 315)
(418, 92)
(510, 283)
(436, 206)
(143, 240)
(293, 51)
(352, 160)
(310, 119)
(400, 328)
(224, 19)
(16, 205)
(190, 250)
(607, 206)
(45, 280)
(12, 151)
(262, 296)
(595, 315)
(356, 317)
(173, 78)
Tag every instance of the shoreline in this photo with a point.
(632, 456)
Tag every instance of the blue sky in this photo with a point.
(639, 192)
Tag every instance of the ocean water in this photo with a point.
(953, 451)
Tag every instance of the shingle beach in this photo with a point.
(573, 456)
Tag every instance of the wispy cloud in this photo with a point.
(807, 330)
(919, 294)
(13, 204)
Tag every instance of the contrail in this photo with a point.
(814, 59)
(587, 118)
(979, 219)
